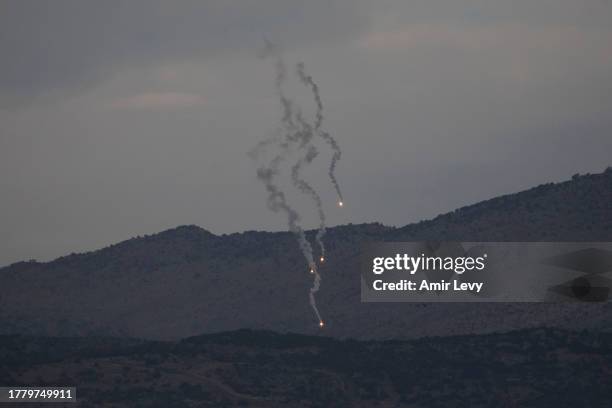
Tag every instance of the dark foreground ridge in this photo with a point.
(535, 368)
(187, 280)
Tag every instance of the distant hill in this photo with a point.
(187, 281)
(576, 210)
(528, 368)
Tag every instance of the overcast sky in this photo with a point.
(124, 118)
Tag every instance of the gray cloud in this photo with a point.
(65, 44)
(436, 103)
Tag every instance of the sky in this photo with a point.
(120, 119)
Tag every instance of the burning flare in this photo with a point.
(322, 259)
(340, 203)
(321, 324)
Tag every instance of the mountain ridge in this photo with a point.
(467, 210)
(187, 280)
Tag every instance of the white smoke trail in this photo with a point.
(277, 202)
(307, 189)
(337, 153)
(316, 284)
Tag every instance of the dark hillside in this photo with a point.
(186, 280)
(535, 368)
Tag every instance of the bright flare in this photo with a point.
(311, 270)
(322, 259)
(321, 324)
(340, 203)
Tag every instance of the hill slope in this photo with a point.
(186, 280)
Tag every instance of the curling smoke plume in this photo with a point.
(268, 172)
(297, 134)
(337, 155)
(307, 189)
(304, 136)
(277, 202)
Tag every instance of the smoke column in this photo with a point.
(316, 284)
(267, 173)
(303, 186)
(277, 202)
(307, 189)
(308, 81)
(303, 137)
